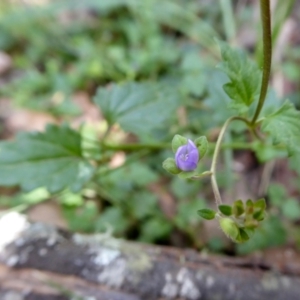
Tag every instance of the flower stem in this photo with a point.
(215, 157)
(267, 54)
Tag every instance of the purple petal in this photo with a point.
(187, 157)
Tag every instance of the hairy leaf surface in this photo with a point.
(138, 107)
(284, 126)
(244, 76)
(51, 159)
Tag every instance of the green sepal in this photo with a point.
(202, 145)
(249, 207)
(260, 204)
(187, 175)
(178, 141)
(204, 174)
(206, 213)
(259, 215)
(230, 228)
(238, 208)
(225, 209)
(170, 165)
(250, 223)
(243, 236)
(249, 231)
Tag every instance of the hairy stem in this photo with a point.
(216, 154)
(267, 54)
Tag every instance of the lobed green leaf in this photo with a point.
(52, 159)
(284, 126)
(139, 108)
(244, 76)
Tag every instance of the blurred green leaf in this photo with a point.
(277, 194)
(178, 141)
(284, 126)
(170, 165)
(260, 204)
(184, 188)
(243, 236)
(206, 213)
(265, 152)
(238, 208)
(187, 175)
(225, 209)
(244, 76)
(187, 214)
(81, 219)
(138, 107)
(71, 199)
(136, 173)
(51, 159)
(291, 209)
(112, 218)
(216, 98)
(155, 229)
(270, 233)
(143, 204)
(202, 145)
(230, 228)
(194, 74)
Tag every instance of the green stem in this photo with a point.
(215, 157)
(267, 52)
(153, 147)
(136, 147)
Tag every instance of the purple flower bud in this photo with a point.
(187, 157)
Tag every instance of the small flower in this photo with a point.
(187, 157)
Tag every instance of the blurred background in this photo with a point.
(54, 54)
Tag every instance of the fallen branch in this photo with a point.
(43, 262)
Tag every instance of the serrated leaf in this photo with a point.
(207, 213)
(244, 76)
(202, 145)
(225, 209)
(178, 141)
(51, 159)
(170, 165)
(139, 108)
(284, 126)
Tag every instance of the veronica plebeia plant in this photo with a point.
(63, 159)
(247, 88)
